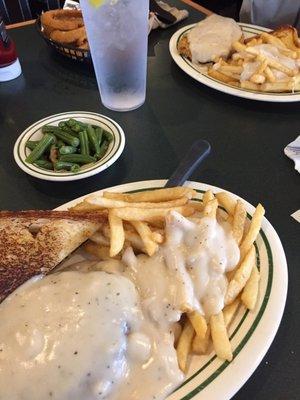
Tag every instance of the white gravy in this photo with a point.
(213, 37)
(82, 336)
(97, 335)
(272, 52)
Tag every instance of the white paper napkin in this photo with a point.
(296, 215)
(292, 150)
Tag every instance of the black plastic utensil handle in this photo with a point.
(196, 154)
(162, 15)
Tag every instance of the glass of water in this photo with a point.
(117, 32)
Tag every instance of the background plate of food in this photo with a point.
(251, 332)
(240, 59)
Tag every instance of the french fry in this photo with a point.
(269, 74)
(95, 201)
(117, 235)
(234, 69)
(85, 206)
(230, 311)
(197, 205)
(258, 78)
(157, 237)
(99, 238)
(250, 292)
(184, 345)
(210, 209)
(280, 87)
(249, 85)
(230, 74)
(145, 233)
(262, 67)
(200, 345)
(234, 83)
(213, 73)
(226, 201)
(177, 329)
(220, 337)
(207, 196)
(273, 63)
(102, 252)
(267, 38)
(252, 42)
(239, 219)
(239, 47)
(199, 323)
(241, 276)
(253, 231)
(153, 196)
(134, 240)
(236, 57)
(150, 215)
(131, 237)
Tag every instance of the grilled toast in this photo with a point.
(35, 242)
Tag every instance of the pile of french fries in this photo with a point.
(138, 220)
(265, 76)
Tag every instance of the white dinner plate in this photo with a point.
(196, 72)
(34, 132)
(252, 332)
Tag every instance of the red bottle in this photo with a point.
(10, 67)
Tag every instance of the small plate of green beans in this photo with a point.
(69, 146)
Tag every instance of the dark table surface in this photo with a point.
(247, 158)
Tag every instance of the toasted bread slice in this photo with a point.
(289, 36)
(26, 252)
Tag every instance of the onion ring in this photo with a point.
(67, 37)
(64, 20)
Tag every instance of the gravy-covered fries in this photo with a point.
(166, 224)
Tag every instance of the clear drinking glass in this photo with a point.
(117, 32)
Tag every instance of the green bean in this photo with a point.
(66, 137)
(99, 133)
(67, 150)
(62, 124)
(31, 144)
(40, 148)
(60, 143)
(78, 158)
(75, 125)
(108, 136)
(48, 128)
(69, 166)
(103, 149)
(70, 131)
(93, 139)
(44, 164)
(84, 143)
(60, 134)
(74, 122)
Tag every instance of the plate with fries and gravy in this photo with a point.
(171, 293)
(240, 59)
